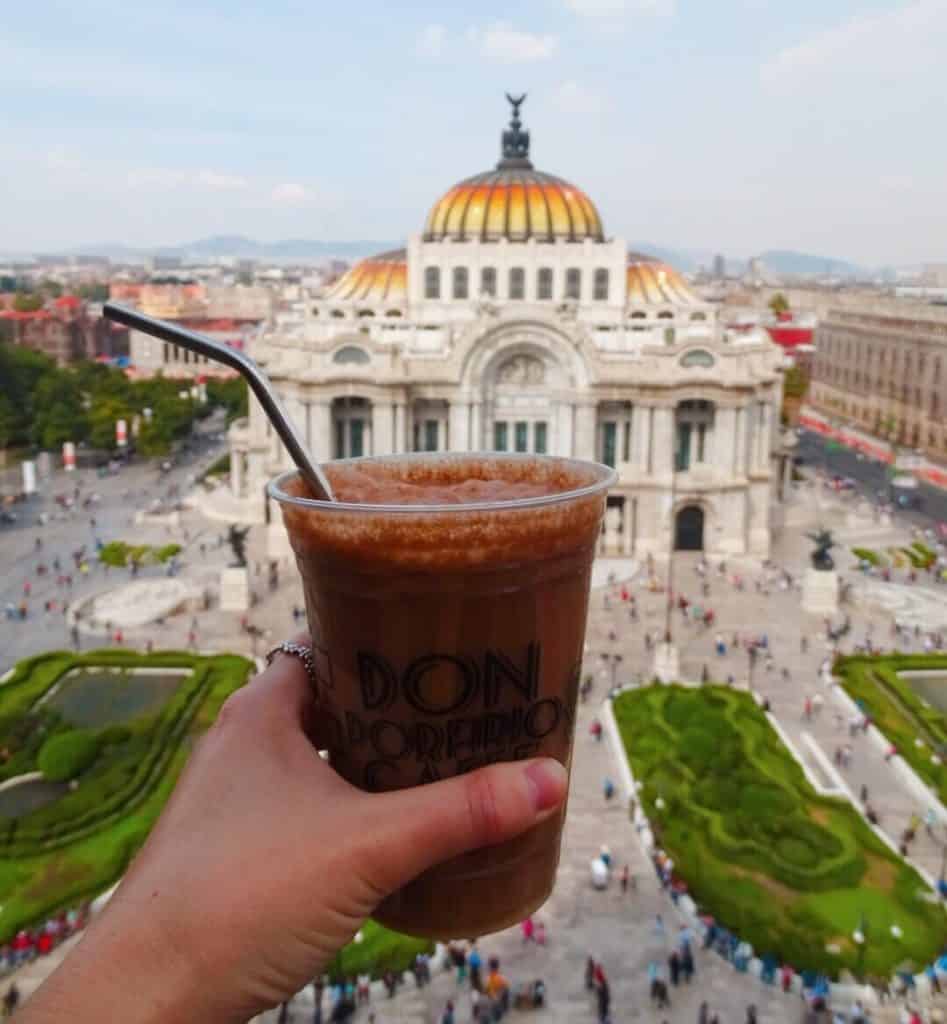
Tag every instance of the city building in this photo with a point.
(513, 322)
(61, 331)
(229, 314)
(885, 372)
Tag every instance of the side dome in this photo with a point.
(514, 201)
(381, 278)
(652, 283)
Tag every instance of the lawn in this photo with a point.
(786, 869)
(900, 713)
(80, 845)
(71, 849)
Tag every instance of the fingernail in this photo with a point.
(547, 780)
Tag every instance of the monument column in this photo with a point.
(236, 472)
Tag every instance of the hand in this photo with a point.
(265, 863)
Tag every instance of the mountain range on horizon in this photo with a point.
(310, 251)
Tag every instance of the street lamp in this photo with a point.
(752, 654)
(613, 660)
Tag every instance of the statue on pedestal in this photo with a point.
(237, 539)
(824, 542)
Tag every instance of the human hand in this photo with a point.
(265, 863)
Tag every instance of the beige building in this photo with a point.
(886, 373)
(513, 322)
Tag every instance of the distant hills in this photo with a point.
(309, 251)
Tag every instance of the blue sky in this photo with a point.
(736, 125)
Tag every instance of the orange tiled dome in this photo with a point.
(515, 203)
(382, 278)
(651, 282)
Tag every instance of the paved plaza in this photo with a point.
(619, 930)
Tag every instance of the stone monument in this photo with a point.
(820, 589)
(235, 579)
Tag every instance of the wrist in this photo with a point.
(124, 968)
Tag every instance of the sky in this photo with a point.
(733, 126)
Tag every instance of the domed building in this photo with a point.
(513, 322)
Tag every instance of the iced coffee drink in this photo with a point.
(447, 600)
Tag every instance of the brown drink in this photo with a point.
(447, 599)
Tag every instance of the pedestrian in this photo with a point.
(448, 1016)
(807, 708)
(786, 977)
(529, 930)
(608, 788)
(751, 1014)
(863, 794)
(589, 974)
(624, 879)
(475, 963)
(674, 967)
(603, 998)
(687, 962)
(703, 1013)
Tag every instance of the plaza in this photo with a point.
(747, 600)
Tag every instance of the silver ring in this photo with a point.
(296, 651)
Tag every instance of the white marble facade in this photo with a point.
(511, 323)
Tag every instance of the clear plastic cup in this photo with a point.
(449, 636)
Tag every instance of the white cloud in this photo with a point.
(168, 177)
(290, 192)
(500, 41)
(214, 179)
(572, 97)
(614, 8)
(904, 41)
(432, 42)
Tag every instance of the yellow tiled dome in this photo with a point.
(517, 204)
(382, 278)
(651, 282)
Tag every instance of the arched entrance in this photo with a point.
(689, 529)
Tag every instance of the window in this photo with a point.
(539, 438)
(488, 281)
(601, 285)
(351, 354)
(340, 439)
(521, 438)
(609, 442)
(544, 283)
(460, 283)
(499, 437)
(626, 445)
(430, 435)
(573, 283)
(432, 283)
(356, 438)
(517, 283)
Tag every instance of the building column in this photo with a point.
(585, 414)
(740, 441)
(662, 454)
(640, 436)
(320, 417)
(400, 428)
(458, 429)
(628, 527)
(563, 442)
(236, 473)
(720, 454)
(383, 428)
(762, 451)
(476, 426)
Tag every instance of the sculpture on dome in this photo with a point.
(515, 140)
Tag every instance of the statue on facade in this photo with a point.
(522, 371)
(824, 542)
(237, 539)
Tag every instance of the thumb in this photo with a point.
(413, 829)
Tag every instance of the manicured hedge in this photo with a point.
(761, 851)
(868, 555)
(68, 754)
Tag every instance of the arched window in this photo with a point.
(351, 354)
(695, 420)
(488, 281)
(573, 283)
(315, 310)
(639, 314)
(338, 314)
(460, 283)
(393, 312)
(665, 314)
(366, 312)
(544, 283)
(600, 288)
(517, 283)
(432, 282)
(698, 316)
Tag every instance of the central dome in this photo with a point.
(515, 202)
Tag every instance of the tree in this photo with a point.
(231, 395)
(779, 304)
(98, 291)
(59, 414)
(7, 421)
(795, 382)
(103, 415)
(27, 302)
(50, 287)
